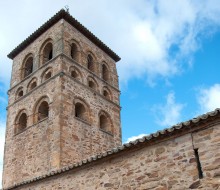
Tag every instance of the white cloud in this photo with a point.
(169, 113)
(141, 32)
(209, 98)
(133, 138)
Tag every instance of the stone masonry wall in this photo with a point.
(61, 138)
(166, 165)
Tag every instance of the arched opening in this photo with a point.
(21, 123)
(19, 93)
(74, 52)
(28, 67)
(106, 94)
(80, 111)
(104, 123)
(46, 75)
(43, 111)
(33, 85)
(105, 72)
(92, 85)
(90, 63)
(47, 52)
(74, 74)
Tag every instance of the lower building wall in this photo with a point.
(170, 164)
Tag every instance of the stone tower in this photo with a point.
(63, 100)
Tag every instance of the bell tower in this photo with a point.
(63, 100)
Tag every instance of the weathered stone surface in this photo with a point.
(60, 139)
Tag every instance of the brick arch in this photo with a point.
(32, 84)
(27, 66)
(105, 121)
(47, 73)
(46, 51)
(86, 116)
(21, 121)
(93, 82)
(75, 73)
(75, 55)
(37, 116)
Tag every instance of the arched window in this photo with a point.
(90, 63)
(47, 74)
(105, 123)
(92, 83)
(105, 72)
(107, 93)
(43, 111)
(47, 52)
(75, 73)
(19, 93)
(28, 67)
(74, 52)
(33, 85)
(21, 123)
(80, 111)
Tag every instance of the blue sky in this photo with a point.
(170, 53)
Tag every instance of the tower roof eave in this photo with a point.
(62, 14)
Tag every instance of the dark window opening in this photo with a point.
(105, 73)
(43, 111)
(22, 123)
(33, 85)
(73, 52)
(20, 94)
(28, 67)
(199, 167)
(48, 53)
(105, 123)
(47, 76)
(90, 63)
(80, 111)
(92, 85)
(74, 74)
(106, 94)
